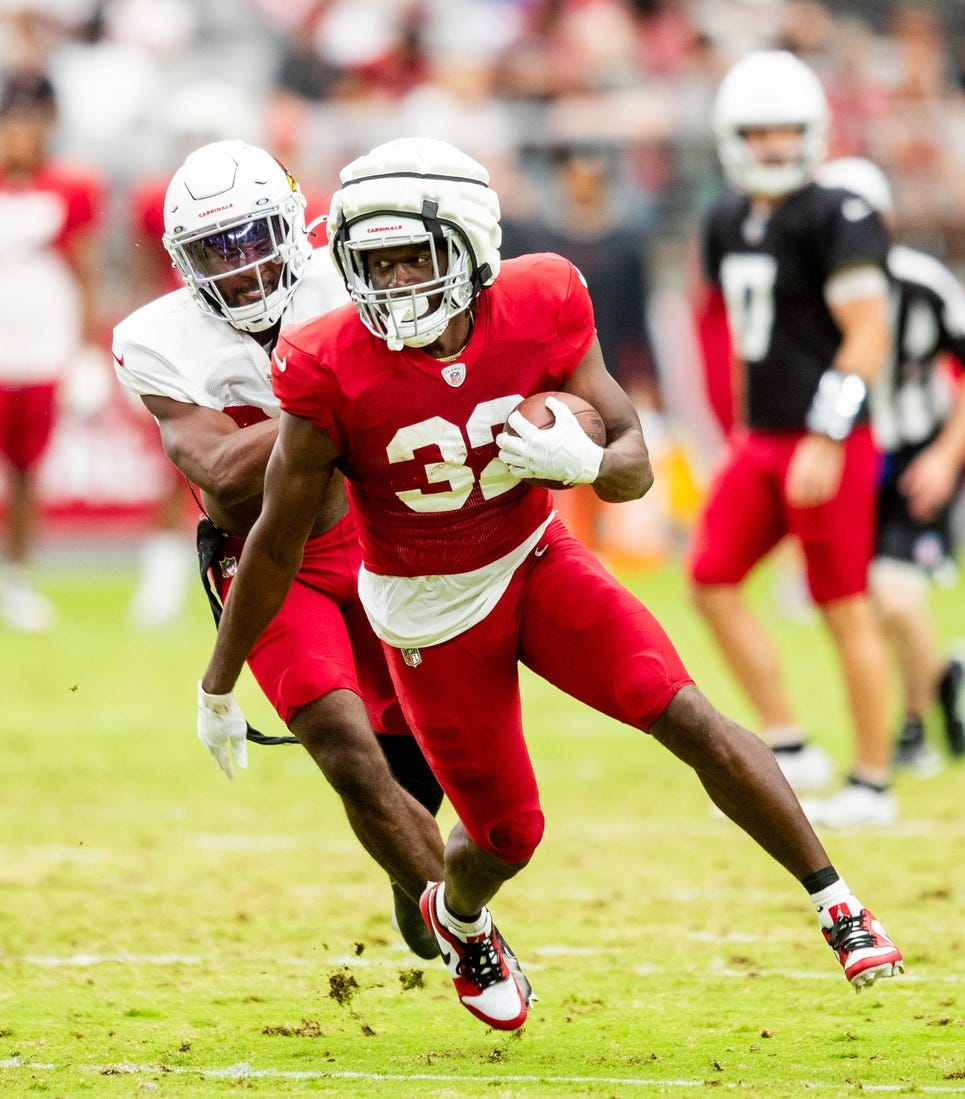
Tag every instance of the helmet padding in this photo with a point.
(412, 191)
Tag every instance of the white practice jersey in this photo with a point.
(912, 398)
(169, 348)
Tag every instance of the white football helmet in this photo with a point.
(414, 191)
(769, 88)
(862, 178)
(232, 209)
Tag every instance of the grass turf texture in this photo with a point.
(164, 932)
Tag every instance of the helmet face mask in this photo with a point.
(235, 230)
(429, 199)
(236, 248)
(769, 90)
(416, 314)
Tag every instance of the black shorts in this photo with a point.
(929, 545)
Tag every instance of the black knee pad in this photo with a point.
(410, 770)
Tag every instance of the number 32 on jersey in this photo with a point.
(454, 446)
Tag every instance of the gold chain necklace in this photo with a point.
(452, 358)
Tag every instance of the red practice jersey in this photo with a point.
(417, 436)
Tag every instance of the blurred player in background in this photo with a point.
(802, 271)
(919, 420)
(588, 219)
(198, 359)
(466, 569)
(49, 218)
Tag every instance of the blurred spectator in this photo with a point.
(108, 73)
(588, 214)
(454, 102)
(588, 217)
(48, 218)
(861, 97)
(666, 35)
(342, 68)
(919, 143)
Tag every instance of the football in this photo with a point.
(535, 410)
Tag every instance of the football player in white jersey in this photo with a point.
(198, 358)
(919, 422)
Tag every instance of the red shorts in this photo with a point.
(566, 618)
(26, 421)
(320, 640)
(747, 514)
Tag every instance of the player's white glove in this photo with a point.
(561, 452)
(222, 729)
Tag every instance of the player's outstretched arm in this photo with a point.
(225, 461)
(298, 473)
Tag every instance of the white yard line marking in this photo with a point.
(244, 1071)
(352, 961)
(52, 961)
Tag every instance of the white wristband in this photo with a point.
(836, 404)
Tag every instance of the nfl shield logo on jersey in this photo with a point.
(229, 566)
(412, 657)
(455, 375)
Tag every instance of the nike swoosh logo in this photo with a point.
(445, 955)
(540, 550)
(281, 363)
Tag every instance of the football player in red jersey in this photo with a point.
(802, 270)
(49, 220)
(198, 360)
(466, 570)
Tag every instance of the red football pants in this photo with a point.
(565, 617)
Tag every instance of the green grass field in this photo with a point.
(164, 932)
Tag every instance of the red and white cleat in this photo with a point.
(863, 949)
(484, 982)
